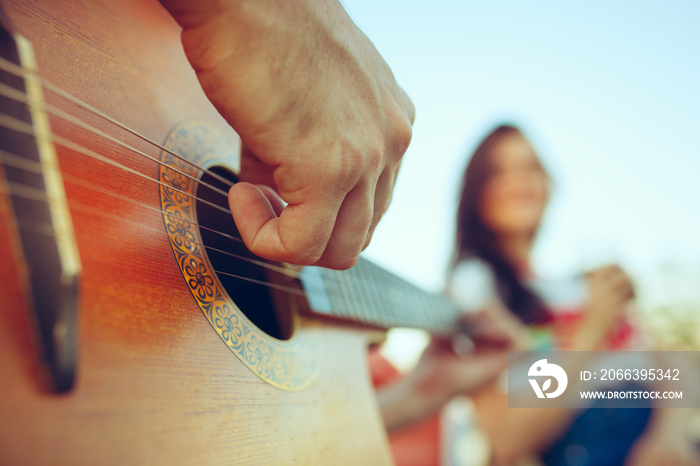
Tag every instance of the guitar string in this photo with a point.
(20, 126)
(33, 166)
(19, 96)
(28, 192)
(341, 289)
(339, 285)
(14, 160)
(22, 72)
(22, 163)
(24, 127)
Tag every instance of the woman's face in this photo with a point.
(516, 193)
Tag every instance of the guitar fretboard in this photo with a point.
(371, 295)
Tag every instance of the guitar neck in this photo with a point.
(368, 294)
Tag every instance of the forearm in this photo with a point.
(402, 403)
(252, 26)
(589, 337)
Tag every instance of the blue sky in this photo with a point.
(609, 93)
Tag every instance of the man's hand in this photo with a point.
(321, 117)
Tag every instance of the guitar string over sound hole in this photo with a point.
(256, 318)
(244, 281)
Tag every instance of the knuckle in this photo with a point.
(204, 55)
(345, 254)
(347, 263)
(364, 224)
(405, 135)
(307, 257)
(400, 137)
(346, 168)
(383, 207)
(302, 250)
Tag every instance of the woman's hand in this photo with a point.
(467, 360)
(321, 117)
(451, 366)
(610, 289)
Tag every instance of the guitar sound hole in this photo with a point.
(243, 280)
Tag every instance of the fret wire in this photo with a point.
(342, 287)
(377, 293)
(387, 305)
(420, 299)
(374, 292)
(359, 287)
(358, 310)
(341, 306)
(417, 299)
(376, 312)
(388, 294)
(431, 309)
(348, 293)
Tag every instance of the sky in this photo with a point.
(609, 94)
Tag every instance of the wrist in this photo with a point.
(590, 335)
(398, 404)
(587, 339)
(408, 400)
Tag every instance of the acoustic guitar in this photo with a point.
(135, 327)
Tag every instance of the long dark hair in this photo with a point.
(476, 240)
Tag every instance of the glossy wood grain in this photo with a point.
(155, 385)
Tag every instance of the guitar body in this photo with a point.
(156, 381)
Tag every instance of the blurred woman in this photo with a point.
(505, 191)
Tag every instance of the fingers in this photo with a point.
(382, 199)
(350, 230)
(477, 370)
(253, 170)
(408, 106)
(330, 155)
(620, 283)
(293, 233)
(492, 329)
(613, 279)
(311, 233)
(273, 198)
